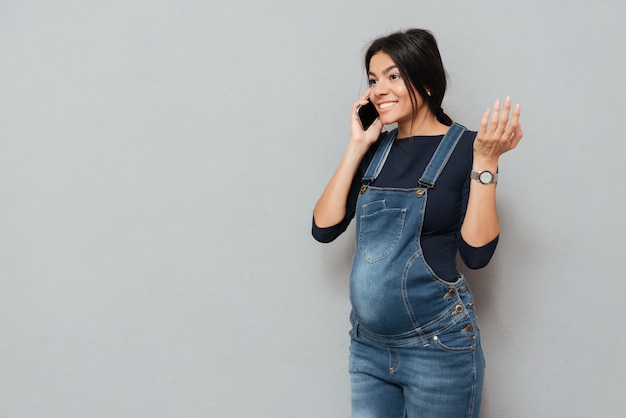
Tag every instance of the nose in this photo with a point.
(380, 88)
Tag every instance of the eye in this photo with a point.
(371, 82)
(394, 77)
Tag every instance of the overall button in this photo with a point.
(451, 293)
(463, 288)
(458, 309)
(420, 192)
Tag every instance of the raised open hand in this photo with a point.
(498, 135)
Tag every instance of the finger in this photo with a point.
(518, 133)
(494, 119)
(517, 112)
(514, 127)
(366, 95)
(377, 126)
(503, 118)
(361, 102)
(516, 138)
(484, 121)
(357, 105)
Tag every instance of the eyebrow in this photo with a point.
(385, 71)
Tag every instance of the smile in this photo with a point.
(387, 105)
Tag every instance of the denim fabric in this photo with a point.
(415, 345)
(436, 373)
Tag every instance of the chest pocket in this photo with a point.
(380, 230)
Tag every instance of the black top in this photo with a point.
(445, 208)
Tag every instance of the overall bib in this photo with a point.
(415, 349)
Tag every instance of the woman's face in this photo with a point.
(390, 92)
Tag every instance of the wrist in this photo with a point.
(482, 164)
(355, 150)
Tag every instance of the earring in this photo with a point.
(428, 92)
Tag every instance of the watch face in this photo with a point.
(486, 177)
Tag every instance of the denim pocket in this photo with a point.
(380, 230)
(460, 338)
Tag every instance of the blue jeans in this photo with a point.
(439, 374)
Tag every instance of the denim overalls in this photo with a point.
(415, 348)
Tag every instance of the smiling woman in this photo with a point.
(391, 96)
(419, 194)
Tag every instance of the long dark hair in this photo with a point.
(417, 57)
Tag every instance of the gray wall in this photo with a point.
(159, 161)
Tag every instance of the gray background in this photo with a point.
(159, 162)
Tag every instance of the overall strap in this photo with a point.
(441, 156)
(379, 158)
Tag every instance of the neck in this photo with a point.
(422, 125)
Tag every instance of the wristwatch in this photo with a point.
(485, 177)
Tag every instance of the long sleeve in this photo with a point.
(477, 257)
(329, 234)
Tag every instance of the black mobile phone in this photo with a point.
(367, 114)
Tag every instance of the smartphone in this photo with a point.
(367, 114)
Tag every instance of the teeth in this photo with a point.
(386, 105)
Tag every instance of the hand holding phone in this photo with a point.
(367, 114)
